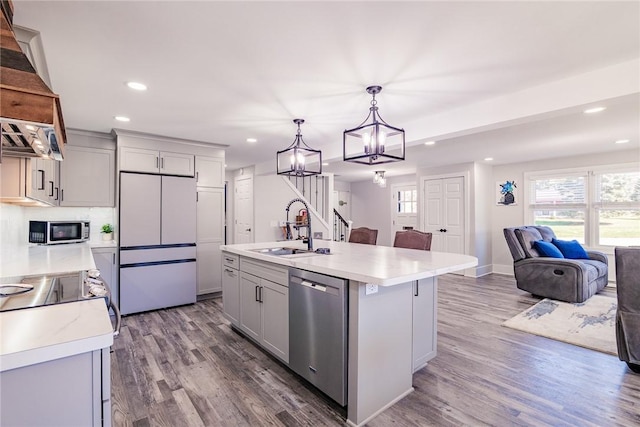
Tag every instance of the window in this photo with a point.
(407, 201)
(599, 207)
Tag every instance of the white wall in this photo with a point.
(512, 216)
(481, 236)
(14, 220)
(271, 195)
(371, 206)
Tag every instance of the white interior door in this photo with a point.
(404, 209)
(443, 207)
(243, 209)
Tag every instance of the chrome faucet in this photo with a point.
(307, 225)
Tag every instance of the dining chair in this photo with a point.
(413, 239)
(363, 235)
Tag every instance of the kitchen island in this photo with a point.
(392, 303)
(58, 354)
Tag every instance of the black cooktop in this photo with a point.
(36, 291)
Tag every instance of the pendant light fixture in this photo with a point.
(375, 142)
(299, 159)
(378, 178)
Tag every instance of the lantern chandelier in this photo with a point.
(378, 178)
(299, 159)
(375, 142)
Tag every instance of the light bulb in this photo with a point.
(366, 138)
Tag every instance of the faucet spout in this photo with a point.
(308, 225)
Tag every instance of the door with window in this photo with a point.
(243, 209)
(443, 207)
(404, 210)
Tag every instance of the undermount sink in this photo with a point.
(285, 251)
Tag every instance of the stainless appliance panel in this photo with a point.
(55, 232)
(318, 331)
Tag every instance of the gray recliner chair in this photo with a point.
(570, 280)
(628, 314)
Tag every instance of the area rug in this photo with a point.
(590, 324)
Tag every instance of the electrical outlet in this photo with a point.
(370, 289)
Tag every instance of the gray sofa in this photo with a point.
(628, 314)
(570, 280)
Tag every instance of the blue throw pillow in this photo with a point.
(571, 249)
(547, 249)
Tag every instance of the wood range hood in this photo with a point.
(30, 113)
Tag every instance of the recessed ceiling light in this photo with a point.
(225, 165)
(594, 110)
(430, 143)
(622, 141)
(137, 86)
(325, 164)
(30, 127)
(122, 119)
(252, 140)
(488, 159)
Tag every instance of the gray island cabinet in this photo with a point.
(392, 304)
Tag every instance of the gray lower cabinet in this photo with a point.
(231, 288)
(425, 297)
(264, 306)
(72, 391)
(105, 259)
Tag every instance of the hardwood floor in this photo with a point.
(186, 367)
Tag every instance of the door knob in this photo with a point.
(248, 229)
(443, 230)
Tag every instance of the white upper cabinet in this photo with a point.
(87, 177)
(152, 161)
(209, 171)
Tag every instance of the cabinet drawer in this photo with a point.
(266, 271)
(230, 260)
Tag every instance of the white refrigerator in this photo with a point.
(157, 235)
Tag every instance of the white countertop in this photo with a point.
(40, 334)
(375, 264)
(26, 260)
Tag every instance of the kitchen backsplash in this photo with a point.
(14, 220)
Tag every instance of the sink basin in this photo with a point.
(285, 251)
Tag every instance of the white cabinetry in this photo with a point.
(231, 288)
(153, 161)
(105, 259)
(71, 391)
(264, 305)
(87, 177)
(210, 222)
(209, 171)
(425, 297)
(210, 235)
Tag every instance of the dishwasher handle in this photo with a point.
(316, 286)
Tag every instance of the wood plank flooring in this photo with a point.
(186, 367)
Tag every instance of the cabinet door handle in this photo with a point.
(417, 289)
(41, 186)
(257, 299)
(261, 294)
(51, 190)
(114, 258)
(162, 167)
(157, 162)
(197, 177)
(57, 193)
(62, 195)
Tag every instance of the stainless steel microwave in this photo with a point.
(54, 232)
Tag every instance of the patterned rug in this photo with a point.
(590, 324)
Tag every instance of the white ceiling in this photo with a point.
(502, 79)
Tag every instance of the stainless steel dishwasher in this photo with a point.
(318, 331)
